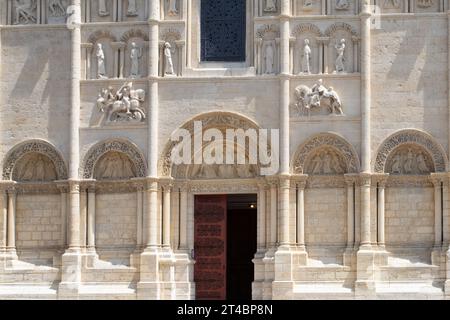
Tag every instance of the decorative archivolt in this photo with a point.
(267, 31)
(99, 34)
(43, 151)
(170, 34)
(326, 153)
(306, 28)
(219, 120)
(412, 148)
(134, 33)
(340, 26)
(114, 148)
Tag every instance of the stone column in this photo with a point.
(87, 48)
(74, 216)
(83, 217)
(183, 217)
(261, 205)
(301, 185)
(284, 234)
(167, 189)
(273, 214)
(355, 54)
(151, 218)
(320, 48)
(365, 86)
(180, 44)
(381, 181)
(365, 180)
(139, 215)
(326, 54)
(350, 180)
(63, 190)
(3, 219)
(91, 218)
(292, 42)
(116, 47)
(11, 225)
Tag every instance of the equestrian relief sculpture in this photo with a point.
(123, 104)
(317, 98)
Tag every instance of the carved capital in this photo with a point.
(300, 180)
(324, 40)
(74, 186)
(439, 178)
(365, 179)
(380, 179)
(351, 179)
(118, 45)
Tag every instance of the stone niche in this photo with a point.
(268, 7)
(308, 7)
(100, 10)
(171, 9)
(343, 7)
(133, 10)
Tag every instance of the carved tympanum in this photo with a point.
(409, 159)
(34, 167)
(114, 166)
(325, 161)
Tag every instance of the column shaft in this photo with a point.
(166, 216)
(183, 218)
(74, 216)
(3, 219)
(301, 215)
(11, 239)
(91, 219)
(261, 217)
(381, 214)
(365, 211)
(273, 214)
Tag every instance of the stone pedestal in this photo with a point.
(184, 277)
(70, 275)
(149, 287)
(365, 284)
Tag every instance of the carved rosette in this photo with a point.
(121, 146)
(34, 146)
(326, 140)
(411, 137)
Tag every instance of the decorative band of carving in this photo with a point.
(34, 146)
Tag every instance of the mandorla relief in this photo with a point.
(114, 166)
(34, 167)
(25, 11)
(326, 161)
(409, 160)
(123, 104)
(316, 99)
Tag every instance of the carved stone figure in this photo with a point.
(342, 4)
(308, 4)
(172, 8)
(114, 166)
(391, 4)
(35, 167)
(271, 6)
(102, 8)
(421, 163)
(306, 58)
(269, 58)
(136, 54)
(168, 62)
(123, 105)
(101, 65)
(317, 97)
(132, 8)
(340, 60)
(326, 161)
(409, 160)
(26, 11)
(56, 8)
(425, 3)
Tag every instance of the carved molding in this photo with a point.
(224, 186)
(170, 34)
(118, 145)
(409, 181)
(134, 33)
(323, 182)
(411, 137)
(34, 146)
(340, 26)
(99, 34)
(305, 28)
(268, 29)
(331, 140)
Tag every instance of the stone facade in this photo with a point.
(92, 208)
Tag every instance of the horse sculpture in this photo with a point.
(316, 98)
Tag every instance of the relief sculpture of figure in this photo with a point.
(132, 8)
(172, 8)
(425, 3)
(25, 11)
(135, 55)
(101, 66)
(271, 6)
(269, 58)
(394, 4)
(342, 4)
(306, 58)
(307, 4)
(409, 162)
(340, 60)
(397, 164)
(421, 164)
(56, 8)
(102, 9)
(168, 62)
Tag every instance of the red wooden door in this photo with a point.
(210, 247)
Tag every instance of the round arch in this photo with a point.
(322, 140)
(411, 137)
(34, 146)
(116, 145)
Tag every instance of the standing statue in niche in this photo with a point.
(25, 11)
(342, 4)
(269, 58)
(136, 54)
(102, 9)
(56, 8)
(168, 62)
(271, 6)
(101, 66)
(306, 58)
(132, 8)
(172, 9)
(340, 60)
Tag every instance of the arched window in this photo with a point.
(223, 30)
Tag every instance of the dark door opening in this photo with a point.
(225, 231)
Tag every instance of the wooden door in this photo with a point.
(210, 247)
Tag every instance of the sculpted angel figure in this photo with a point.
(25, 10)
